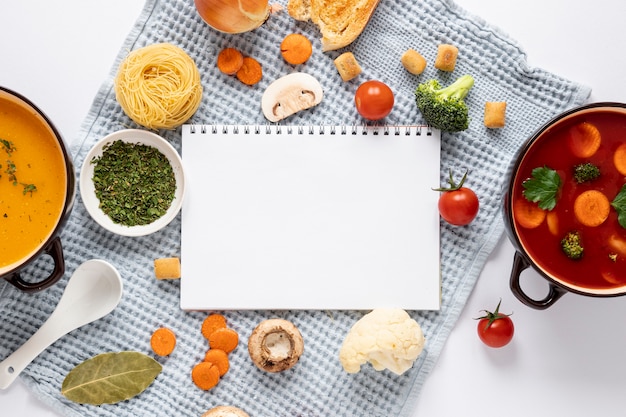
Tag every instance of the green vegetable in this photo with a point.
(571, 245)
(109, 378)
(542, 187)
(445, 108)
(586, 172)
(135, 183)
(619, 204)
(11, 169)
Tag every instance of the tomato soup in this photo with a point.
(570, 143)
(33, 182)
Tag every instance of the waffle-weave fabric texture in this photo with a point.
(317, 386)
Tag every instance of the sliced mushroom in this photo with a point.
(225, 411)
(290, 94)
(275, 345)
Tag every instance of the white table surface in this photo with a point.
(567, 360)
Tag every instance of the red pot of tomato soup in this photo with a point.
(37, 186)
(565, 205)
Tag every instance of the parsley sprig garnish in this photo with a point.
(543, 187)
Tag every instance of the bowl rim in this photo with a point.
(87, 189)
(508, 201)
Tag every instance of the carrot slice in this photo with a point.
(225, 339)
(552, 219)
(229, 61)
(618, 244)
(584, 139)
(205, 375)
(592, 208)
(163, 341)
(218, 358)
(619, 159)
(212, 323)
(250, 72)
(528, 214)
(296, 48)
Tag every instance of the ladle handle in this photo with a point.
(48, 333)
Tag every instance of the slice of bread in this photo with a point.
(339, 21)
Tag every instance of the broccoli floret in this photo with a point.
(571, 244)
(445, 108)
(586, 172)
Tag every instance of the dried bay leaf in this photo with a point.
(110, 378)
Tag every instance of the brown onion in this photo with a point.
(233, 16)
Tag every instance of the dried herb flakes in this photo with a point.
(135, 183)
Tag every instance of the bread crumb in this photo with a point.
(495, 114)
(167, 268)
(413, 61)
(347, 66)
(446, 57)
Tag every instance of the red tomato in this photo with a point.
(458, 205)
(374, 100)
(495, 329)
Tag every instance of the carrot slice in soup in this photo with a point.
(584, 139)
(591, 208)
(528, 214)
(619, 159)
(553, 222)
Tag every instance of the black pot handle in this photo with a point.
(55, 250)
(519, 265)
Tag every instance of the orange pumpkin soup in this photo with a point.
(33, 183)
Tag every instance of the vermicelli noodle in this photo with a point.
(158, 86)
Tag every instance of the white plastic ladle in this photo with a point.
(92, 292)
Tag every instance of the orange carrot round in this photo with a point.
(225, 339)
(163, 341)
(619, 159)
(250, 72)
(229, 61)
(205, 375)
(552, 220)
(528, 214)
(211, 323)
(592, 208)
(218, 358)
(584, 139)
(296, 48)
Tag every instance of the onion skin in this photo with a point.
(233, 16)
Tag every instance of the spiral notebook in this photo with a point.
(319, 217)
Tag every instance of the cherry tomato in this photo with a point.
(495, 329)
(458, 205)
(374, 100)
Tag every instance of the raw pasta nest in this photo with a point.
(158, 86)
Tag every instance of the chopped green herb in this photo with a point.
(29, 188)
(543, 187)
(11, 169)
(586, 172)
(8, 146)
(135, 183)
(619, 204)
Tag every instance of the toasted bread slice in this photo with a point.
(339, 21)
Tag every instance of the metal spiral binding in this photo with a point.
(354, 129)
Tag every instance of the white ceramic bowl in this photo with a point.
(92, 203)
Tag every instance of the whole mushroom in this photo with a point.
(275, 345)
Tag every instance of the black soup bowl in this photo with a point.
(37, 188)
(565, 205)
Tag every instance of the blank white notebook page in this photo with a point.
(280, 217)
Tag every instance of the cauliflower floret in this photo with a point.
(388, 338)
